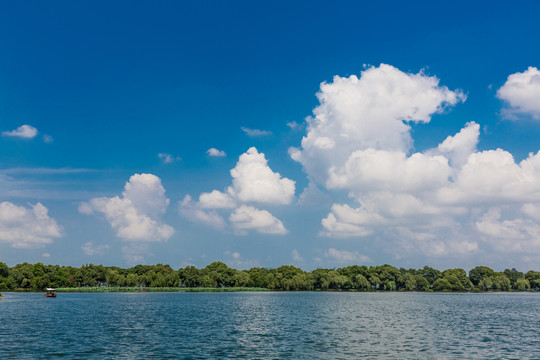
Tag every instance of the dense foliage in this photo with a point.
(287, 277)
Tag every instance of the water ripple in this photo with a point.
(314, 325)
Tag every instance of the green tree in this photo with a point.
(241, 278)
(207, 281)
(486, 283)
(221, 274)
(375, 282)
(321, 278)
(461, 275)
(361, 283)
(390, 285)
(421, 283)
(478, 273)
(4, 270)
(513, 275)
(534, 279)
(258, 277)
(190, 276)
(132, 280)
(522, 284)
(455, 282)
(430, 274)
(407, 282)
(39, 282)
(172, 279)
(442, 285)
(501, 282)
(38, 269)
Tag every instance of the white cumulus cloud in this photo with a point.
(136, 215)
(250, 218)
(368, 112)
(27, 227)
(216, 200)
(460, 146)
(194, 213)
(522, 93)
(448, 201)
(23, 131)
(215, 152)
(253, 181)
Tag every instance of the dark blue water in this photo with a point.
(318, 325)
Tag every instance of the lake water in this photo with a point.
(303, 325)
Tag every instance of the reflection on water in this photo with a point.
(316, 325)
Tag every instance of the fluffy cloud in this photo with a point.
(136, 214)
(516, 235)
(373, 169)
(250, 218)
(439, 202)
(194, 213)
(458, 147)
(253, 181)
(215, 152)
(493, 176)
(24, 227)
(216, 200)
(370, 112)
(23, 131)
(522, 93)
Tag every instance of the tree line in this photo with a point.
(38, 276)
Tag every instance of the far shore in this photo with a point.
(104, 289)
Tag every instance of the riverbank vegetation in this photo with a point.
(217, 276)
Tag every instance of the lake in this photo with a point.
(272, 325)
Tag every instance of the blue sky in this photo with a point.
(104, 89)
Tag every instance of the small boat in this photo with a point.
(50, 292)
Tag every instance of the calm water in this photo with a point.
(270, 326)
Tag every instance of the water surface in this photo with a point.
(288, 325)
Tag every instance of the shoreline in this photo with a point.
(223, 290)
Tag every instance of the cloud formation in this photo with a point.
(215, 152)
(522, 93)
(167, 158)
(193, 212)
(253, 181)
(27, 228)
(368, 112)
(136, 215)
(345, 256)
(23, 131)
(90, 249)
(451, 200)
(255, 132)
(250, 218)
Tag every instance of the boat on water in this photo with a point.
(50, 292)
